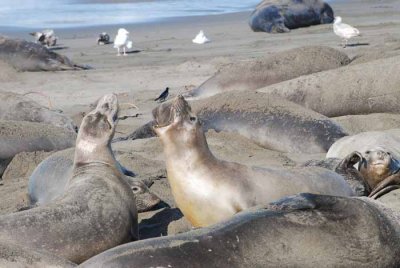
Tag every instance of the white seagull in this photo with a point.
(344, 31)
(200, 38)
(121, 41)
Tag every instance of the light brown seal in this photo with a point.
(97, 211)
(208, 190)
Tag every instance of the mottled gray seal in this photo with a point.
(197, 178)
(23, 136)
(97, 211)
(273, 69)
(29, 56)
(280, 16)
(361, 88)
(17, 107)
(50, 179)
(302, 231)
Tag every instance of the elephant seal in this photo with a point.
(23, 136)
(197, 178)
(269, 70)
(17, 107)
(50, 178)
(97, 210)
(361, 88)
(269, 121)
(280, 16)
(306, 230)
(29, 56)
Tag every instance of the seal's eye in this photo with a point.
(367, 152)
(135, 189)
(192, 118)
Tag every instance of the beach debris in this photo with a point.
(163, 96)
(46, 37)
(104, 39)
(201, 38)
(344, 31)
(122, 41)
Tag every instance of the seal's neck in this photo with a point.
(87, 151)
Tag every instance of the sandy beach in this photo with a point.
(164, 56)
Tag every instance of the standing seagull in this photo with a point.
(121, 41)
(163, 95)
(344, 31)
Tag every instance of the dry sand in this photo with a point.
(163, 55)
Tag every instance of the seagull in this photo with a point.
(103, 39)
(344, 31)
(121, 41)
(200, 38)
(45, 37)
(163, 95)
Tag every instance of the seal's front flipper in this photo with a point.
(389, 184)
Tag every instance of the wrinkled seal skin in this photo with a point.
(301, 231)
(17, 256)
(23, 136)
(19, 108)
(50, 178)
(280, 16)
(199, 180)
(269, 70)
(29, 56)
(366, 88)
(97, 211)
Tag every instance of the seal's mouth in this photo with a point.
(108, 107)
(169, 113)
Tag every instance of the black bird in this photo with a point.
(163, 96)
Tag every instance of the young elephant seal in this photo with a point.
(97, 210)
(200, 181)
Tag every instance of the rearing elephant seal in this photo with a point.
(97, 211)
(279, 16)
(199, 180)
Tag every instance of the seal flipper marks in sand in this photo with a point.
(97, 211)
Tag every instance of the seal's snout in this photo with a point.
(108, 106)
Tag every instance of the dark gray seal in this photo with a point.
(17, 107)
(97, 211)
(280, 16)
(302, 231)
(29, 56)
(51, 177)
(278, 67)
(371, 87)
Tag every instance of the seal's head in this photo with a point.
(177, 125)
(145, 199)
(97, 128)
(377, 165)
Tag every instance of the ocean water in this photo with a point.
(77, 13)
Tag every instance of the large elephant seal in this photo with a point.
(198, 178)
(29, 56)
(17, 107)
(273, 69)
(23, 136)
(50, 178)
(280, 16)
(371, 87)
(269, 121)
(302, 231)
(97, 211)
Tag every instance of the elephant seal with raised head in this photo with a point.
(199, 180)
(29, 56)
(280, 16)
(306, 230)
(97, 210)
(278, 67)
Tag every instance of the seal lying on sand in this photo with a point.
(97, 211)
(28, 56)
(22, 136)
(50, 178)
(271, 122)
(362, 89)
(276, 68)
(199, 180)
(20, 108)
(279, 16)
(301, 231)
